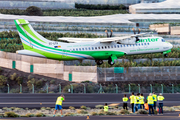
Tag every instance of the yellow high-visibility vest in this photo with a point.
(125, 99)
(160, 99)
(132, 97)
(150, 100)
(106, 108)
(136, 100)
(59, 100)
(141, 101)
(155, 97)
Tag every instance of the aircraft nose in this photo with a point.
(170, 45)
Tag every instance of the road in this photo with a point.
(76, 100)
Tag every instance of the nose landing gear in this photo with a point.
(165, 55)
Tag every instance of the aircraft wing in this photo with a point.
(123, 40)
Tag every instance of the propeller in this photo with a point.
(139, 30)
(134, 30)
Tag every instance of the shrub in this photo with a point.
(82, 112)
(52, 82)
(43, 108)
(13, 90)
(39, 83)
(94, 113)
(30, 77)
(99, 107)
(83, 107)
(30, 82)
(69, 114)
(10, 114)
(33, 10)
(13, 76)
(1, 115)
(3, 80)
(110, 113)
(19, 80)
(123, 111)
(40, 115)
(71, 107)
(101, 112)
(142, 111)
(29, 115)
(48, 108)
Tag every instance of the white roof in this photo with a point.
(160, 5)
(108, 19)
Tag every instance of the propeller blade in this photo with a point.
(111, 33)
(106, 33)
(134, 30)
(139, 30)
(137, 39)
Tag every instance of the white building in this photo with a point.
(166, 7)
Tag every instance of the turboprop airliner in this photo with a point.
(98, 49)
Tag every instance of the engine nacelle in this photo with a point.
(127, 41)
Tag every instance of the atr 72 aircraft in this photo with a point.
(98, 49)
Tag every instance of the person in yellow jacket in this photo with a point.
(106, 107)
(155, 100)
(150, 100)
(58, 106)
(136, 102)
(141, 101)
(125, 99)
(160, 99)
(132, 97)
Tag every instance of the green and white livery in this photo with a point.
(98, 49)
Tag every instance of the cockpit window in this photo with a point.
(163, 40)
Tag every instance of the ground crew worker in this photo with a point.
(160, 99)
(155, 100)
(59, 101)
(136, 102)
(106, 107)
(150, 100)
(125, 99)
(146, 106)
(132, 101)
(141, 101)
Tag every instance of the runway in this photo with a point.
(76, 100)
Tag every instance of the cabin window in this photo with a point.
(108, 46)
(118, 46)
(130, 45)
(95, 47)
(121, 45)
(114, 46)
(163, 40)
(82, 48)
(102, 47)
(105, 47)
(73, 49)
(99, 48)
(85, 48)
(127, 45)
(124, 45)
(79, 49)
(141, 43)
(92, 48)
(76, 49)
(144, 43)
(111, 46)
(147, 43)
(133, 45)
(136, 44)
(89, 48)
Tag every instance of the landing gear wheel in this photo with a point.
(165, 55)
(99, 62)
(110, 62)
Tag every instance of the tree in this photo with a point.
(33, 10)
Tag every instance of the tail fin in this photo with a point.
(29, 37)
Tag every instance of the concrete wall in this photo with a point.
(48, 67)
(160, 28)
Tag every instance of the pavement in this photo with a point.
(167, 116)
(76, 100)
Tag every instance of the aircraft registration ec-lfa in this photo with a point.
(98, 49)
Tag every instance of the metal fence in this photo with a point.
(95, 88)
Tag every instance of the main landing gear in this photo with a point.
(110, 61)
(99, 62)
(165, 55)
